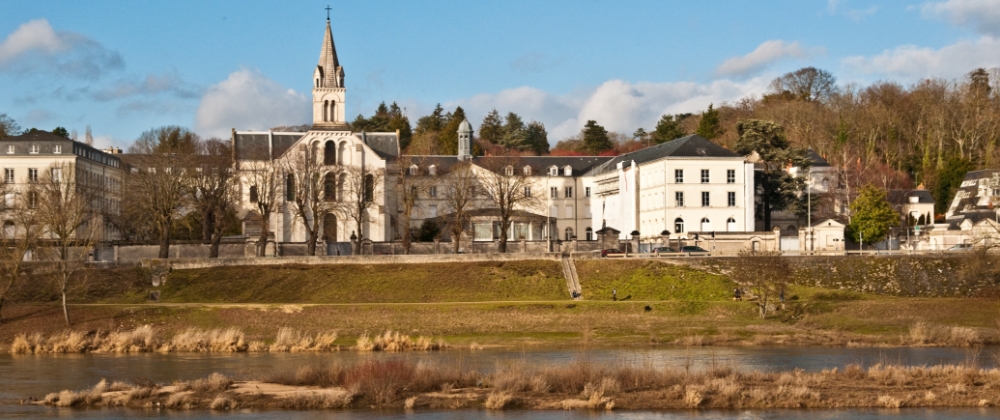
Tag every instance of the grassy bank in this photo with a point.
(498, 303)
(579, 385)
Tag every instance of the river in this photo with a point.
(22, 376)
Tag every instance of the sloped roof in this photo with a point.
(386, 145)
(903, 196)
(690, 146)
(255, 146)
(816, 160)
(539, 164)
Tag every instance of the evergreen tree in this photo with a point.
(776, 188)
(947, 182)
(448, 138)
(710, 127)
(60, 131)
(537, 138)
(668, 128)
(491, 130)
(595, 138)
(398, 121)
(433, 122)
(873, 216)
(514, 134)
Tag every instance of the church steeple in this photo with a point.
(331, 73)
(328, 87)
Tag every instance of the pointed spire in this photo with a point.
(328, 63)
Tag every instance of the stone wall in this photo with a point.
(181, 264)
(907, 275)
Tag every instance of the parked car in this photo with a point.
(609, 251)
(960, 247)
(663, 249)
(692, 248)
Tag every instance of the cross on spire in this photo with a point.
(328, 12)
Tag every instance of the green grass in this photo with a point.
(650, 280)
(384, 283)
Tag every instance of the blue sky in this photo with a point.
(125, 66)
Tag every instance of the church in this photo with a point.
(675, 188)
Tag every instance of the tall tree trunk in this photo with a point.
(311, 246)
(165, 241)
(262, 243)
(65, 309)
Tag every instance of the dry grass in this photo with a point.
(394, 341)
(290, 340)
(925, 334)
(580, 385)
(223, 340)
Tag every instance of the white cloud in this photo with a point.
(247, 100)
(912, 62)
(617, 105)
(765, 54)
(35, 47)
(982, 15)
(170, 83)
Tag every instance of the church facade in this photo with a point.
(686, 185)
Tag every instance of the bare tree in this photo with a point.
(460, 199)
(410, 185)
(764, 272)
(509, 187)
(359, 187)
(262, 178)
(214, 190)
(66, 210)
(311, 190)
(162, 157)
(18, 236)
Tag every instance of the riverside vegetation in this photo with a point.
(579, 385)
(492, 303)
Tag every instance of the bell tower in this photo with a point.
(328, 87)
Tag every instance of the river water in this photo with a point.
(22, 376)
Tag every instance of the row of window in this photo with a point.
(706, 225)
(34, 149)
(706, 199)
(705, 176)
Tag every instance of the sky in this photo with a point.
(123, 67)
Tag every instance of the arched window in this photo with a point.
(330, 227)
(792, 230)
(329, 153)
(568, 170)
(290, 187)
(706, 225)
(253, 193)
(340, 187)
(432, 170)
(326, 110)
(590, 234)
(341, 151)
(731, 225)
(333, 111)
(329, 187)
(678, 225)
(412, 170)
(369, 188)
(569, 234)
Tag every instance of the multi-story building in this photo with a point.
(39, 157)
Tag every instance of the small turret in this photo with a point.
(465, 140)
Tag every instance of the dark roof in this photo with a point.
(251, 146)
(816, 160)
(690, 146)
(967, 197)
(37, 135)
(283, 142)
(903, 196)
(386, 145)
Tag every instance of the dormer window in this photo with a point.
(509, 171)
(527, 170)
(33, 149)
(432, 170)
(413, 170)
(10, 149)
(568, 170)
(57, 149)
(554, 171)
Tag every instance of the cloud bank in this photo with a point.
(247, 100)
(981, 15)
(36, 48)
(912, 62)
